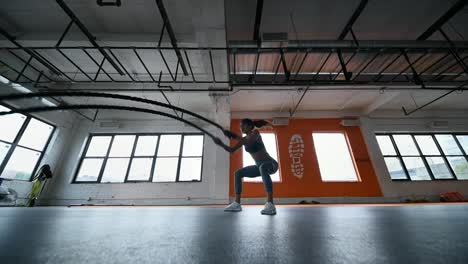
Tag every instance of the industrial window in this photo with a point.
(23, 140)
(420, 157)
(269, 140)
(118, 158)
(334, 158)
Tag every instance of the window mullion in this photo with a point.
(428, 168)
(461, 148)
(104, 162)
(180, 157)
(132, 155)
(442, 153)
(153, 165)
(403, 165)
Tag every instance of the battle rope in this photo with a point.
(116, 107)
(226, 132)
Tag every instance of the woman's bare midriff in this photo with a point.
(260, 155)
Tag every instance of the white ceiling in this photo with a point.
(202, 23)
(355, 101)
(325, 19)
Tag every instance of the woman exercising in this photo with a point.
(266, 165)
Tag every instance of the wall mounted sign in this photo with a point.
(296, 152)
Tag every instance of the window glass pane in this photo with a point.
(36, 135)
(115, 170)
(448, 145)
(4, 148)
(190, 169)
(460, 166)
(11, 125)
(427, 145)
(165, 170)
(439, 168)
(416, 168)
(463, 142)
(146, 145)
(98, 146)
(269, 140)
(386, 145)
(122, 146)
(21, 164)
(140, 169)
(395, 168)
(193, 146)
(332, 149)
(89, 170)
(405, 145)
(169, 145)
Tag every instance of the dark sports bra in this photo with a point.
(256, 146)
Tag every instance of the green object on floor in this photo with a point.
(39, 182)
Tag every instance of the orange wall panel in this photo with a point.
(310, 185)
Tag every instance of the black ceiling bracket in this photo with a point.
(170, 32)
(88, 34)
(347, 74)
(416, 79)
(27, 50)
(258, 21)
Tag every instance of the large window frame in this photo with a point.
(15, 143)
(423, 156)
(132, 156)
(348, 150)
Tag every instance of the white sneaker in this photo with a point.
(269, 209)
(233, 207)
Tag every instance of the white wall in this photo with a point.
(64, 122)
(417, 189)
(213, 189)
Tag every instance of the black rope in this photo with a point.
(226, 132)
(116, 107)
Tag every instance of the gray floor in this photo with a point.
(335, 234)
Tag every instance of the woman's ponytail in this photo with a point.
(261, 123)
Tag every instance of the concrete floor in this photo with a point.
(311, 234)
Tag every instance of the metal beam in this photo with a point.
(15, 70)
(64, 33)
(32, 66)
(459, 88)
(258, 21)
(90, 37)
(353, 19)
(27, 50)
(417, 80)
(443, 19)
(343, 65)
(144, 65)
(170, 32)
(99, 65)
(24, 68)
(74, 64)
(454, 52)
(190, 66)
(121, 65)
